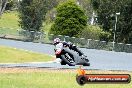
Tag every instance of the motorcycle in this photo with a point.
(70, 57)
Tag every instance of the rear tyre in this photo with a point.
(86, 64)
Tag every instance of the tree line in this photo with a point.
(106, 11)
(77, 22)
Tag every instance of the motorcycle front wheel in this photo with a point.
(68, 59)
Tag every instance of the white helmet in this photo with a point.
(56, 40)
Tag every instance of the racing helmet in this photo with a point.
(56, 41)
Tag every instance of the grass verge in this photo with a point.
(9, 23)
(10, 20)
(12, 55)
(42, 78)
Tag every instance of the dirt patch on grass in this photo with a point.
(30, 70)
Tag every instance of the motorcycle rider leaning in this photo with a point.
(69, 44)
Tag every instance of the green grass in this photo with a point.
(9, 23)
(9, 20)
(48, 79)
(10, 55)
(8, 31)
(46, 27)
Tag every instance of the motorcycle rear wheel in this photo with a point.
(86, 64)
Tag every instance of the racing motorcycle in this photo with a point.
(70, 57)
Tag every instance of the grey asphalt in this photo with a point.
(99, 59)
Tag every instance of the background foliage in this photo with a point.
(95, 32)
(106, 11)
(70, 20)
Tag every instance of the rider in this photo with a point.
(69, 44)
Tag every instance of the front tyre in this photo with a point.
(63, 63)
(67, 59)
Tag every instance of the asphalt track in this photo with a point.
(99, 59)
